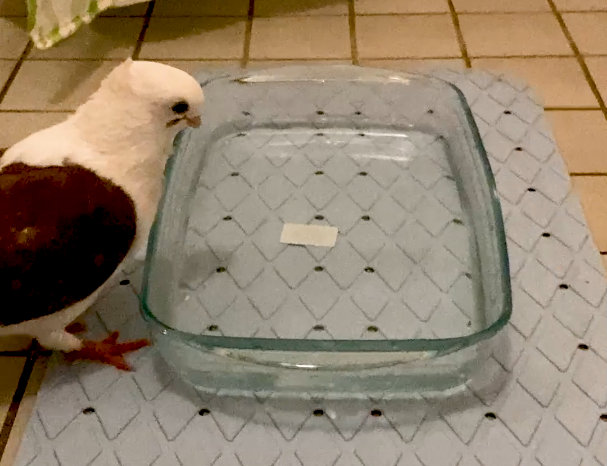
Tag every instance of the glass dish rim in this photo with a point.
(439, 345)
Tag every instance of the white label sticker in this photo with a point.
(309, 235)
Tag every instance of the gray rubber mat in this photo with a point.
(540, 402)
(403, 239)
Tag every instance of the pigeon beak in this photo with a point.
(193, 122)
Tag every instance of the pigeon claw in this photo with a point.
(108, 351)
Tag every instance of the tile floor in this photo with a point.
(559, 46)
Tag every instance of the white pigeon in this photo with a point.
(77, 201)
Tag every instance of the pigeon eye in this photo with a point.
(180, 107)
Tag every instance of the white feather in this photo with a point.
(121, 133)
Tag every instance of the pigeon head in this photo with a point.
(172, 97)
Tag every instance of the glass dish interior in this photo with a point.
(395, 162)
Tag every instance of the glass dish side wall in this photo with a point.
(309, 97)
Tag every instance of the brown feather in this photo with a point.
(63, 232)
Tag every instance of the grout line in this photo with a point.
(301, 14)
(144, 29)
(15, 353)
(443, 57)
(580, 58)
(246, 52)
(571, 109)
(503, 12)
(352, 29)
(413, 13)
(199, 16)
(313, 15)
(556, 55)
(253, 60)
(9, 420)
(523, 56)
(120, 16)
(583, 11)
(472, 57)
(588, 174)
(460, 35)
(15, 70)
(278, 15)
(433, 13)
(402, 57)
(27, 350)
(591, 55)
(306, 59)
(471, 13)
(119, 60)
(51, 59)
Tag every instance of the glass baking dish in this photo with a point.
(417, 282)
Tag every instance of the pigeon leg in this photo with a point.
(59, 340)
(107, 351)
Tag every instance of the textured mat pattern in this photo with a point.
(402, 252)
(540, 404)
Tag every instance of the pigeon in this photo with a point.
(77, 201)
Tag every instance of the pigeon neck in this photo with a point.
(115, 125)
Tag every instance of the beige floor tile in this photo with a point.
(13, 8)
(421, 65)
(581, 5)
(201, 66)
(6, 66)
(300, 7)
(55, 85)
(513, 34)
(10, 368)
(604, 259)
(499, 6)
(15, 126)
(26, 408)
(589, 31)
(138, 9)
(560, 82)
(593, 194)
(582, 138)
(201, 8)
(13, 37)
(302, 37)
(598, 70)
(269, 64)
(102, 39)
(175, 38)
(406, 36)
(14, 342)
(400, 6)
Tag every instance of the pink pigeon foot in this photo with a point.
(108, 351)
